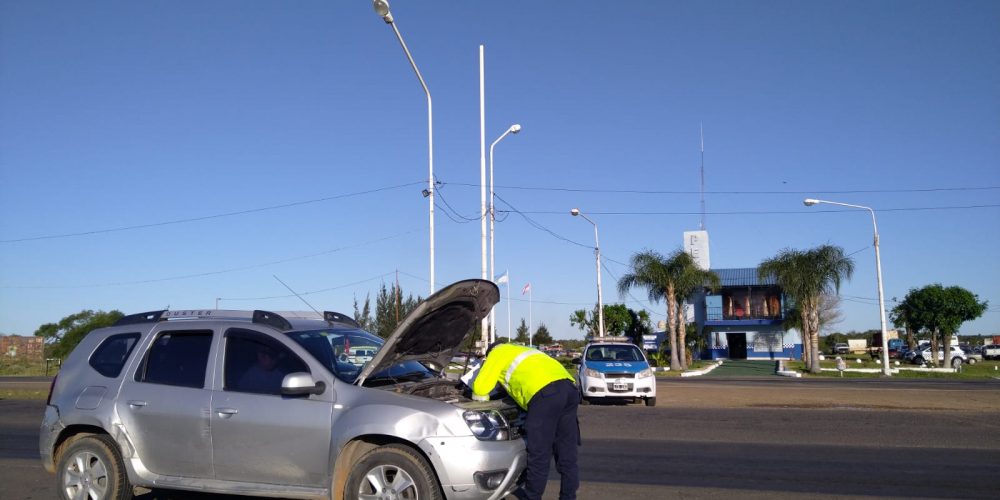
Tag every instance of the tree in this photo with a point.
(665, 278)
(617, 320)
(62, 337)
(390, 309)
(942, 310)
(638, 326)
(805, 275)
(522, 333)
(690, 278)
(542, 335)
(364, 316)
(829, 315)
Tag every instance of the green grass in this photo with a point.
(980, 370)
(24, 368)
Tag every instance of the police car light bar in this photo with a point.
(612, 339)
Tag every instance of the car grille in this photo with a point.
(619, 375)
(515, 420)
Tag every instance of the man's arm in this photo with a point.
(487, 379)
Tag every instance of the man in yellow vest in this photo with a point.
(540, 385)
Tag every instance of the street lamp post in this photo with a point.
(382, 9)
(878, 275)
(515, 128)
(597, 252)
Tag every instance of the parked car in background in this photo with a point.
(972, 357)
(991, 351)
(955, 358)
(261, 404)
(615, 369)
(840, 348)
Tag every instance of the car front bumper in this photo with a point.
(458, 459)
(643, 387)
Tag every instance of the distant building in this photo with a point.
(743, 318)
(24, 348)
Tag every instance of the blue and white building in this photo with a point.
(743, 318)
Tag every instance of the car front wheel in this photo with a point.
(90, 468)
(956, 362)
(395, 472)
(650, 401)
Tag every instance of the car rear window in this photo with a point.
(109, 357)
(177, 358)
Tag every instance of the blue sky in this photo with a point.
(244, 140)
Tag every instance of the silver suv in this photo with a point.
(266, 404)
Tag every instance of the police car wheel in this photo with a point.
(584, 400)
(650, 401)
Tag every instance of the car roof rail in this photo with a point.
(256, 316)
(336, 317)
(139, 318)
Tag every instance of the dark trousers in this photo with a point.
(552, 430)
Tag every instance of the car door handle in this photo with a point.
(136, 404)
(226, 412)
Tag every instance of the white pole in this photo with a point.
(484, 325)
(530, 333)
(512, 129)
(886, 370)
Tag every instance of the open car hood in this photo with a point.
(433, 332)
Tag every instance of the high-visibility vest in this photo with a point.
(522, 371)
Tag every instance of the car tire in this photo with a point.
(91, 467)
(919, 360)
(381, 468)
(972, 361)
(650, 401)
(956, 362)
(584, 400)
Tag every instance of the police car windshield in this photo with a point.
(612, 352)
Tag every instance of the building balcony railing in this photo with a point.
(717, 314)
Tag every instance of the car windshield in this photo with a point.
(614, 353)
(346, 351)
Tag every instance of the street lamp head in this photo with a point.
(809, 202)
(575, 212)
(515, 128)
(425, 192)
(382, 9)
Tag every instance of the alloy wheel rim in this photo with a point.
(85, 477)
(387, 482)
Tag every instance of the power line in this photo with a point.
(209, 217)
(660, 192)
(212, 273)
(539, 226)
(383, 275)
(769, 212)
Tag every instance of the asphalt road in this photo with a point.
(714, 438)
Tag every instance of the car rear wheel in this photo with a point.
(972, 361)
(956, 362)
(650, 401)
(918, 360)
(392, 472)
(91, 468)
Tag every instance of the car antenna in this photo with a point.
(297, 295)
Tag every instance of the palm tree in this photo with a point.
(805, 275)
(690, 278)
(672, 279)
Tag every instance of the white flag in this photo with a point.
(502, 279)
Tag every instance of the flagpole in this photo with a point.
(530, 335)
(508, 305)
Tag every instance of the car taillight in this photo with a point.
(52, 386)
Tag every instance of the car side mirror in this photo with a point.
(300, 383)
(575, 361)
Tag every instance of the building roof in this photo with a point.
(742, 276)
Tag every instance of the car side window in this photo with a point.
(109, 357)
(257, 363)
(177, 358)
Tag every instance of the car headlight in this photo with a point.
(592, 373)
(644, 373)
(487, 425)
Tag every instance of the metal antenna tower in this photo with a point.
(702, 130)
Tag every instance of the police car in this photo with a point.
(613, 368)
